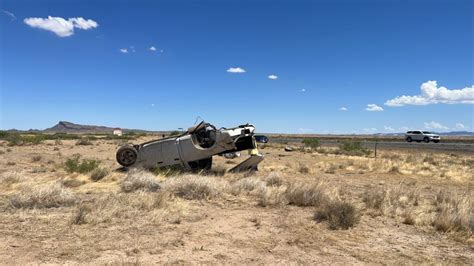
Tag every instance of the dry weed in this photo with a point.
(49, 196)
(194, 186)
(139, 180)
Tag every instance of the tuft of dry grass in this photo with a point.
(248, 185)
(48, 196)
(303, 169)
(11, 177)
(36, 158)
(338, 214)
(454, 212)
(307, 194)
(138, 179)
(80, 214)
(99, 173)
(274, 179)
(194, 186)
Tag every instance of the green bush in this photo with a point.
(175, 133)
(353, 148)
(15, 139)
(84, 142)
(311, 142)
(76, 165)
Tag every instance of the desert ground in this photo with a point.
(66, 202)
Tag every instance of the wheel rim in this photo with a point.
(127, 157)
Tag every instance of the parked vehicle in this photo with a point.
(420, 136)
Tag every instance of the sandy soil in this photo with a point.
(229, 228)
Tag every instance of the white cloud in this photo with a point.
(236, 70)
(273, 77)
(10, 14)
(303, 90)
(373, 108)
(83, 24)
(404, 128)
(60, 26)
(152, 105)
(388, 128)
(124, 50)
(152, 48)
(343, 109)
(432, 94)
(460, 126)
(435, 125)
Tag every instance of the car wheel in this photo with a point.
(426, 139)
(409, 139)
(126, 156)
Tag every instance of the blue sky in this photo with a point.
(91, 63)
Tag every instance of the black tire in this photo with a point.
(409, 139)
(426, 139)
(435, 141)
(126, 156)
(418, 141)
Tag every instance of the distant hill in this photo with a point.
(68, 127)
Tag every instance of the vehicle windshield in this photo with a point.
(427, 132)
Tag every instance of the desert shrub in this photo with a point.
(302, 168)
(84, 142)
(11, 177)
(15, 139)
(247, 184)
(139, 180)
(454, 212)
(175, 133)
(72, 182)
(76, 165)
(312, 142)
(194, 187)
(80, 214)
(274, 179)
(172, 170)
(353, 148)
(49, 196)
(36, 158)
(99, 173)
(306, 194)
(2, 152)
(338, 214)
(374, 199)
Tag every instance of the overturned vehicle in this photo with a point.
(193, 150)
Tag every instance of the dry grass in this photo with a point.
(307, 193)
(194, 186)
(139, 180)
(454, 212)
(99, 173)
(11, 177)
(48, 196)
(338, 214)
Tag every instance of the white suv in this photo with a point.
(419, 136)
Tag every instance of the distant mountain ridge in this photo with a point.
(69, 127)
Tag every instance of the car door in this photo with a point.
(417, 135)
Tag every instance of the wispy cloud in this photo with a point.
(388, 128)
(124, 50)
(372, 129)
(432, 94)
(152, 48)
(371, 107)
(10, 14)
(435, 125)
(460, 126)
(60, 26)
(273, 77)
(343, 109)
(236, 70)
(303, 90)
(305, 130)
